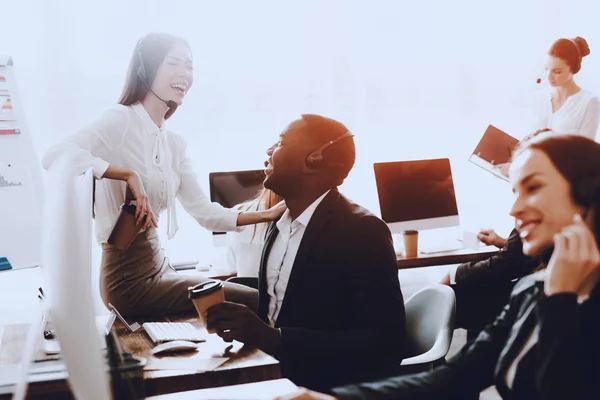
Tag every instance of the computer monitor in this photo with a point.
(416, 195)
(232, 188)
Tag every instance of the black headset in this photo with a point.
(587, 191)
(315, 158)
(141, 70)
(141, 73)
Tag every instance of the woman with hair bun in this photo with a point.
(568, 108)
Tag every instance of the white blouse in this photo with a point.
(127, 137)
(580, 114)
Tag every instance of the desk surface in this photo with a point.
(245, 364)
(256, 390)
(445, 258)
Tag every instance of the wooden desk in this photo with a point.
(429, 260)
(245, 365)
(445, 258)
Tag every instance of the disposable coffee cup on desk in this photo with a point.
(411, 243)
(204, 295)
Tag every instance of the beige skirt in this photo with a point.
(141, 281)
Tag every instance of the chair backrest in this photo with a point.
(429, 319)
(245, 280)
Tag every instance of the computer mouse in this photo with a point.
(51, 347)
(203, 267)
(174, 346)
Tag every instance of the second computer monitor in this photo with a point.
(234, 187)
(416, 195)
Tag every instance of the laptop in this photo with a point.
(494, 148)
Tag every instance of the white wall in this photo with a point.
(411, 79)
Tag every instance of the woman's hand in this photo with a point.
(575, 260)
(256, 217)
(305, 394)
(142, 206)
(275, 212)
(503, 168)
(446, 280)
(490, 238)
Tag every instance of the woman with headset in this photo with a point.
(568, 108)
(544, 344)
(130, 147)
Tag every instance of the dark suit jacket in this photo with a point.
(563, 364)
(483, 288)
(342, 318)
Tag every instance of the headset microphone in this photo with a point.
(539, 80)
(170, 103)
(141, 72)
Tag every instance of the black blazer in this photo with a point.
(483, 288)
(342, 318)
(563, 364)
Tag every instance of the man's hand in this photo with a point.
(490, 238)
(232, 321)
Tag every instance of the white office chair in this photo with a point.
(429, 326)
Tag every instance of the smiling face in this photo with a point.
(558, 71)
(284, 169)
(543, 202)
(174, 76)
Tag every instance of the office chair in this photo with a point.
(430, 324)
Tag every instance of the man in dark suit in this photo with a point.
(483, 287)
(330, 305)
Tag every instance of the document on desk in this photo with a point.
(185, 363)
(8, 378)
(210, 355)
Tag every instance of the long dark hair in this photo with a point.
(148, 55)
(577, 159)
(264, 197)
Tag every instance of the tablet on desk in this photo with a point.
(494, 148)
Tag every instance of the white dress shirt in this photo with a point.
(127, 137)
(579, 114)
(283, 253)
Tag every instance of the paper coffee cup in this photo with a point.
(204, 295)
(411, 243)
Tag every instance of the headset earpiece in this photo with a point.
(587, 191)
(141, 71)
(314, 159)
